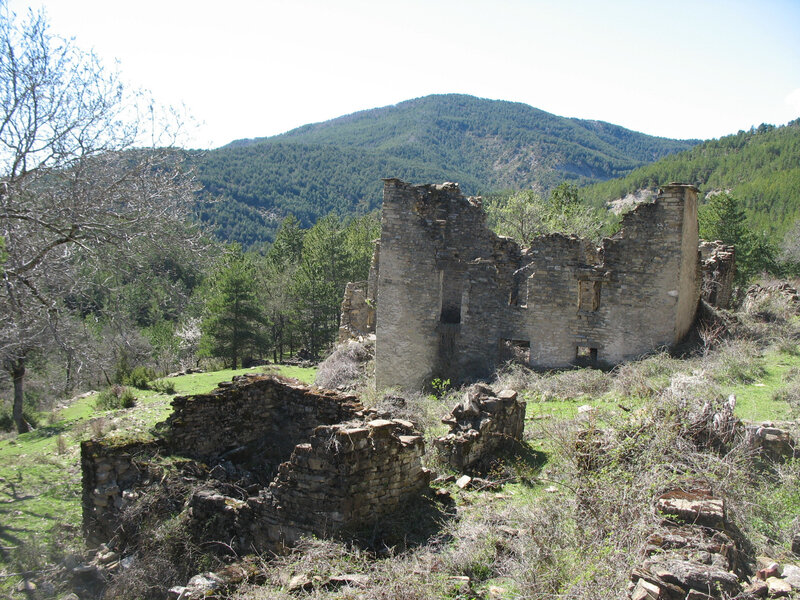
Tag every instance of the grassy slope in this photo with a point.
(40, 486)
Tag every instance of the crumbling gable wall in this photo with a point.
(455, 300)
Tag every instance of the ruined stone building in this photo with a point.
(455, 301)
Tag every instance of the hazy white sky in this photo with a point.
(681, 69)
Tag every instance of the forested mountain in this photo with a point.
(761, 167)
(337, 165)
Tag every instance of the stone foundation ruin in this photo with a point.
(275, 460)
(481, 425)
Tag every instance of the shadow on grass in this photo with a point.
(517, 460)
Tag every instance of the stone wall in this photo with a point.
(480, 426)
(333, 468)
(274, 413)
(358, 312)
(718, 262)
(345, 476)
(109, 474)
(453, 297)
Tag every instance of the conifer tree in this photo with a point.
(233, 325)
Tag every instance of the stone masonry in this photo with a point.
(482, 424)
(718, 262)
(343, 477)
(280, 460)
(456, 301)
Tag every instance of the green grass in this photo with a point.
(202, 383)
(40, 479)
(754, 400)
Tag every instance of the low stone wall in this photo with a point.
(281, 413)
(109, 473)
(695, 553)
(343, 477)
(481, 425)
(337, 469)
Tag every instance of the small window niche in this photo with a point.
(586, 356)
(519, 293)
(516, 351)
(450, 290)
(589, 295)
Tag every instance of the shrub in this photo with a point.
(345, 367)
(139, 377)
(163, 386)
(738, 362)
(114, 397)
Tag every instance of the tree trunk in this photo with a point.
(17, 372)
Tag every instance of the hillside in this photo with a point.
(337, 165)
(761, 167)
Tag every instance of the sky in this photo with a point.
(243, 69)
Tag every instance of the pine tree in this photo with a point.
(234, 322)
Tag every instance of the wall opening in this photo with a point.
(589, 295)
(585, 356)
(450, 299)
(516, 351)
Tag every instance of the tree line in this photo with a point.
(267, 305)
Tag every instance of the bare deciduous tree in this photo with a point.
(84, 164)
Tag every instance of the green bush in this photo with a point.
(164, 386)
(116, 396)
(139, 377)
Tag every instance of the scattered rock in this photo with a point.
(757, 589)
(796, 544)
(791, 574)
(443, 496)
(645, 590)
(695, 505)
(463, 481)
(771, 570)
(203, 584)
(26, 586)
(351, 579)
(300, 582)
(778, 588)
(461, 583)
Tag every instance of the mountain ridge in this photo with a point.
(485, 145)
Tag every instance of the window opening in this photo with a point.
(584, 355)
(589, 295)
(517, 351)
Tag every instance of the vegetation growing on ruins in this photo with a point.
(106, 286)
(546, 525)
(525, 215)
